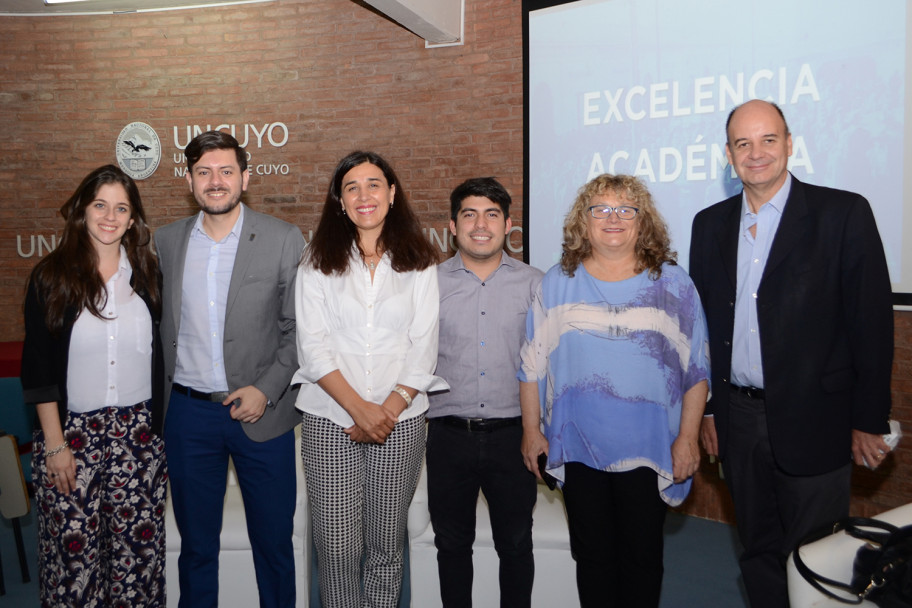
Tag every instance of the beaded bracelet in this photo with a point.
(57, 450)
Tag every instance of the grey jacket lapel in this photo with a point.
(246, 248)
(177, 273)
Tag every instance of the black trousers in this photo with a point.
(774, 510)
(459, 464)
(616, 535)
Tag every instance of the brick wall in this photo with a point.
(338, 76)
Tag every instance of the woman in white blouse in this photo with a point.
(91, 365)
(367, 305)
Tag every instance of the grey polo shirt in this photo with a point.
(482, 326)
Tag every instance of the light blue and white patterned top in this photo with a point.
(612, 361)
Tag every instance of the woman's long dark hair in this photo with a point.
(330, 248)
(68, 277)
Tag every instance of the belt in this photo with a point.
(217, 397)
(751, 392)
(479, 425)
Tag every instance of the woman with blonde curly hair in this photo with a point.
(651, 248)
(615, 367)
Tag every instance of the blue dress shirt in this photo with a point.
(204, 297)
(753, 252)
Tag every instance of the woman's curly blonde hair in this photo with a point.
(652, 247)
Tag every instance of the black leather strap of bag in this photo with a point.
(869, 530)
(861, 528)
(817, 581)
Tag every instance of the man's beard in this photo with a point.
(227, 207)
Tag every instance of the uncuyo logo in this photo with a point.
(138, 150)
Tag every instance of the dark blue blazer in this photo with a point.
(825, 315)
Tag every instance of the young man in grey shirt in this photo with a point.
(475, 429)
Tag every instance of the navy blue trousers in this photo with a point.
(199, 438)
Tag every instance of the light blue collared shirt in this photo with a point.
(204, 298)
(753, 252)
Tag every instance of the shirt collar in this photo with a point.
(355, 255)
(459, 264)
(123, 266)
(235, 230)
(777, 202)
(124, 262)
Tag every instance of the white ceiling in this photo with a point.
(439, 22)
(38, 7)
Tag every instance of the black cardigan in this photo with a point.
(45, 359)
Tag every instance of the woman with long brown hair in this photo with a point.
(367, 307)
(90, 365)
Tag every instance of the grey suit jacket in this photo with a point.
(259, 335)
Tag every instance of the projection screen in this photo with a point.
(644, 88)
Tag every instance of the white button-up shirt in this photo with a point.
(377, 333)
(110, 359)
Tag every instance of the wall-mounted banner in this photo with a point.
(138, 150)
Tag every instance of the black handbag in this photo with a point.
(882, 571)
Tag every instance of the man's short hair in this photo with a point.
(487, 187)
(737, 107)
(214, 140)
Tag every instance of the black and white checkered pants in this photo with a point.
(359, 498)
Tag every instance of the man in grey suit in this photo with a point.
(228, 330)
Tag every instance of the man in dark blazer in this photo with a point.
(797, 296)
(228, 330)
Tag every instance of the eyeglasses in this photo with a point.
(603, 212)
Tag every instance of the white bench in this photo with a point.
(555, 580)
(555, 570)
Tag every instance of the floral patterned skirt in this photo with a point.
(104, 543)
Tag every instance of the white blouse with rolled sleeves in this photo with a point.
(378, 333)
